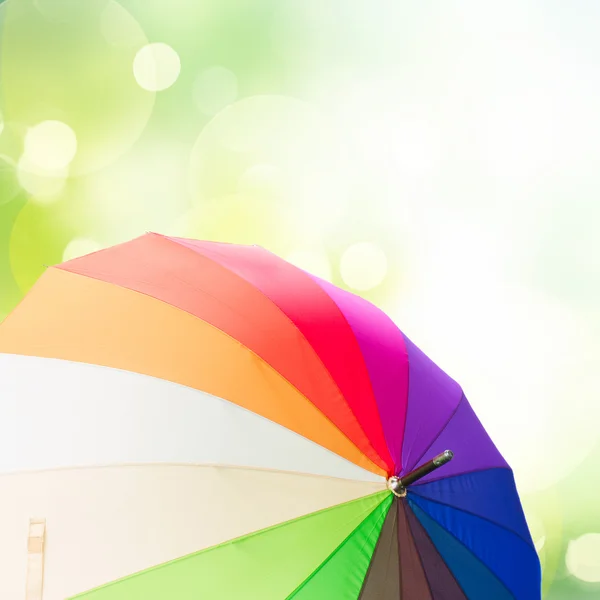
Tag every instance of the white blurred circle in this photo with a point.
(80, 247)
(315, 263)
(363, 266)
(261, 179)
(156, 67)
(50, 145)
(119, 27)
(43, 184)
(67, 11)
(274, 126)
(214, 89)
(133, 191)
(539, 543)
(583, 557)
(62, 11)
(537, 530)
(9, 184)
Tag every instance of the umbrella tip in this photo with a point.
(445, 457)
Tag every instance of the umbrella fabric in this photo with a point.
(203, 420)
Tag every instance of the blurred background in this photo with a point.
(439, 158)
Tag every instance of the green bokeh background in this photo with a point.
(460, 138)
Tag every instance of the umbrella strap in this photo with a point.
(35, 559)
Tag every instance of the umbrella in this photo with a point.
(195, 420)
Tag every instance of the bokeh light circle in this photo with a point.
(363, 266)
(278, 157)
(39, 234)
(262, 179)
(119, 28)
(66, 11)
(280, 126)
(43, 185)
(583, 557)
(9, 183)
(538, 532)
(214, 89)
(144, 191)
(156, 67)
(312, 261)
(75, 75)
(50, 145)
(545, 518)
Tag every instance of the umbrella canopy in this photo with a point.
(185, 420)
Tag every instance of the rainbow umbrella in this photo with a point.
(192, 420)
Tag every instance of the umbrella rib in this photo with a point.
(398, 467)
(475, 557)
(394, 512)
(407, 521)
(458, 474)
(394, 539)
(398, 544)
(195, 466)
(435, 548)
(337, 548)
(468, 512)
(435, 439)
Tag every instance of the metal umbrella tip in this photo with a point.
(445, 457)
